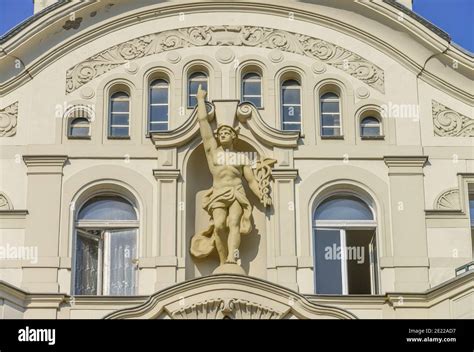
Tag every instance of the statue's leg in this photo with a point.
(233, 241)
(220, 228)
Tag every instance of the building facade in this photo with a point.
(365, 109)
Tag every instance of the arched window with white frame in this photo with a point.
(330, 110)
(105, 257)
(159, 106)
(252, 88)
(345, 251)
(119, 115)
(195, 79)
(291, 105)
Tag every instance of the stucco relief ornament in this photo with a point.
(8, 120)
(226, 203)
(449, 123)
(4, 203)
(248, 36)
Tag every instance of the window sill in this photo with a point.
(368, 138)
(332, 137)
(88, 138)
(119, 138)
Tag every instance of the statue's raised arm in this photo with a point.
(210, 144)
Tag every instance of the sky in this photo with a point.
(455, 17)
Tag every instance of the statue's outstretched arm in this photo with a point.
(252, 181)
(210, 144)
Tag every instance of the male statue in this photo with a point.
(225, 202)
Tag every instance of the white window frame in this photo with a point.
(188, 83)
(371, 125)
(330, 100)
(150, 104)
(103, 267)
(111, 99)
(69, 132)
(348, 226)
(283, 105)
(260, 80)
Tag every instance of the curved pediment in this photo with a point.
(245, 113)
(229, 297)
(53, 34)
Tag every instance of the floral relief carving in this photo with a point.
(8, 120)
(449, 123)
(249, 36)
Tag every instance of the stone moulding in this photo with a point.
(248, 36)
(449, 123)
(8, 120)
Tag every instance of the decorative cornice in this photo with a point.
(449, 123)
(45, 164)
(281, 174)
(405, 161)
(448, 200)
(166, 174)
(8, 120)
(249, 36)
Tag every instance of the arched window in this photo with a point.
(119, 115)
(79, 128)
(106, 247)
(331, 125)
(344, 246)
(291, 105)
(252, 89)
(196, 79)
(159, 106)
(370, 127)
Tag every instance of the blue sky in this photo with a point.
(454, 16)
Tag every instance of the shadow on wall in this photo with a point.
(253, 246)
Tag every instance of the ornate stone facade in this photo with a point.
(249, 36)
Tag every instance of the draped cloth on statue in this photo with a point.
(202, 243)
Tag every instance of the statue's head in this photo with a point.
(226, 136)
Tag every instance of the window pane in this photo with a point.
(257, 101)
(159, 96)
(291, 114)
(252, 88)
(195, 80)
(331, 120)
(327, 245)
(79, 127)
(119, 132)
(87, 255)
(329, 96)
(330, 131)
(107, 208)
(330, 107)
(160, 126)
(346, 208)
(123, 250)
(291, 96)
(120, 106)
(291, 127)
(119, 119)
(159, 113)
(471, 208)
(358, 260)
(370, 131)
